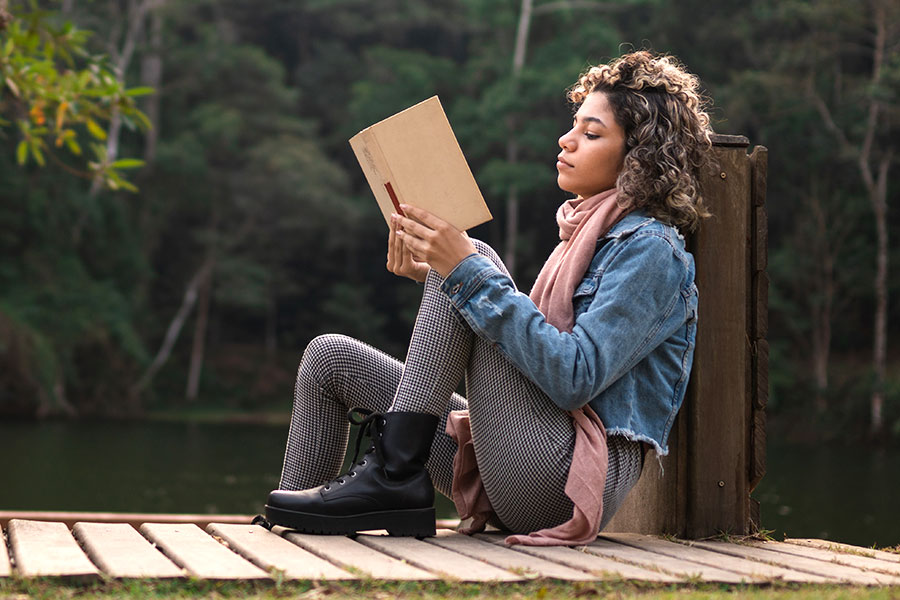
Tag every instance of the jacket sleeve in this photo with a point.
(635, 308)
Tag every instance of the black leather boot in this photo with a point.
(388, 489)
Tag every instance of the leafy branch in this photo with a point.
(57, 95)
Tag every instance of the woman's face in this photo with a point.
(592, 151)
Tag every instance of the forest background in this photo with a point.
(250, 229)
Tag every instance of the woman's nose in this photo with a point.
(566, 141)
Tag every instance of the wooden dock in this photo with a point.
(228, 551)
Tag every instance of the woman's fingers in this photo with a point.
(393, 243)
(432, 240)
(424, 217)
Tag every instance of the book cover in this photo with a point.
(413, 158)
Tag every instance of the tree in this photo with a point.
(54, 91)
(870, 36)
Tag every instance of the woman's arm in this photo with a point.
(637, 306)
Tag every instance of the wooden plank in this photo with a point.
(603, 567)
(724, 139)
(271, 552)
(5, 566)
(448, 564)
(839, 547)
(758, 450)
(41, 548)
(192, 549)
(760, 303)
(761, 374)
(797, 563)
(719, 391)
(759, 161)
(356, 557)
(760, 251)
(133, 519)
(842, 558)
(121, 552)
(685, 550)
(681, 566)
(505, 558)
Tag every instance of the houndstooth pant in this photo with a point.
(523, 441)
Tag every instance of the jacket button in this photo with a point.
(455, 289)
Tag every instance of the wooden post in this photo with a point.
(717, 446)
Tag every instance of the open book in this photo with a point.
(413, 158)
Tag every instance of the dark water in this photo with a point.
(142, 467)
(848, 494)
(842, 494)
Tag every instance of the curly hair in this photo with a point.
(667, 133)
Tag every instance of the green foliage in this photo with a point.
(252, 171)
(55, 92)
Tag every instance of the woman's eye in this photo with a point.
(591, 136)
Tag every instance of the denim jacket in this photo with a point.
(630, 352)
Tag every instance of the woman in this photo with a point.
(567, 384)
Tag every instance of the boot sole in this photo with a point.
(413, 522)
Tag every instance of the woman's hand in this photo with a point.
(400, 260)
(431, 240)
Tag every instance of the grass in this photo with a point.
(22, 589)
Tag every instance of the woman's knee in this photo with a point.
(322, 355)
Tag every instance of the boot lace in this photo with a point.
(368, 421)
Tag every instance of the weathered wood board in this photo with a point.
(505, 558)
(840, 558)
(845, 548)
(271, 552)
(242, 551)
(352, 555)
(47, 549)
(5, 566)
(679, 566)
(191, 548)
(602, 568)
(800, 563)
(753, 571)
(121, 552)
(446, 563)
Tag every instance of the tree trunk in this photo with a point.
(876, 189)
(879, 346)
(823, 312)
(512, 146)
(198, 348)
(135, 16)
(151, 76)
(876, 186)
(165, 350)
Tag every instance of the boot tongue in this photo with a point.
(404, 441)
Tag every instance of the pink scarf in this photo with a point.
(581, 223)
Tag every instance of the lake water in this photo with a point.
(841, 494)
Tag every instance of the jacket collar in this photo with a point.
(629, 224)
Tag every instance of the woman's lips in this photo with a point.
(562, 164)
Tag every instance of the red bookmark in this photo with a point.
(390, 191)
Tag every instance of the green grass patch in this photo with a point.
(22, 589)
